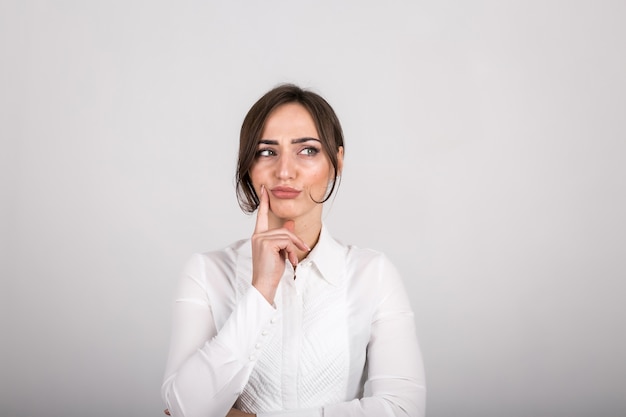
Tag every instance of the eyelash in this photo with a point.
(260, 152)
(311, 151)
(266, 152)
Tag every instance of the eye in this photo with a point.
(309, 151)
(265, 153)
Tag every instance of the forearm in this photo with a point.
(203, 387)
(211, 378)
(393, 398)
(406, 401)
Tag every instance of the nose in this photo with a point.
(286, 168)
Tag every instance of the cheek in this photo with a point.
(256, 174)
(319, 180)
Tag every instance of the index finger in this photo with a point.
(262, 222)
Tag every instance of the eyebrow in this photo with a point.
(293, 141)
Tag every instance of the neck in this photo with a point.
(307, 230)
(310, 233)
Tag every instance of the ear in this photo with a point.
(339, 161)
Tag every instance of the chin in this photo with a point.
(287, 210)
(287, 214)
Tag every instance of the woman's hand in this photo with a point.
(236, 413)
(232, 413)
(270, 248)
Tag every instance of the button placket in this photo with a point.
(303, 272)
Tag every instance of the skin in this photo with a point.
(289, 155)
(232, 413)
(236, 413)
(287, 227)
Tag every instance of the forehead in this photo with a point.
(289, 121)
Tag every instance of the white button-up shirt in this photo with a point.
(339, 340)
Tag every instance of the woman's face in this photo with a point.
(292, 165)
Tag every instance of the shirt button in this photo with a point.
(273, 320)
(264, 333)
(252, 357)
(257, 346)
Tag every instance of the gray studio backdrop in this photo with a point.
(485, 149)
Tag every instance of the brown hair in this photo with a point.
(326, 123)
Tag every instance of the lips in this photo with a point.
(285, 192)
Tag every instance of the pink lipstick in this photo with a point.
(283, 192)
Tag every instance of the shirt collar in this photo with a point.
(328, 256)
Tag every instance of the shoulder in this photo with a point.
(217, 263)
(375, 283)
(374, 269)
(356, 259)
(368, 259)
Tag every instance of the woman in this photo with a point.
(291, 322)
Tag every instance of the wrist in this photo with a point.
(268, 292)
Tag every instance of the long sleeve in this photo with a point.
(208, 367)
(339, 341)
(395, 385)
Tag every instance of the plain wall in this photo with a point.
(485, 154)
